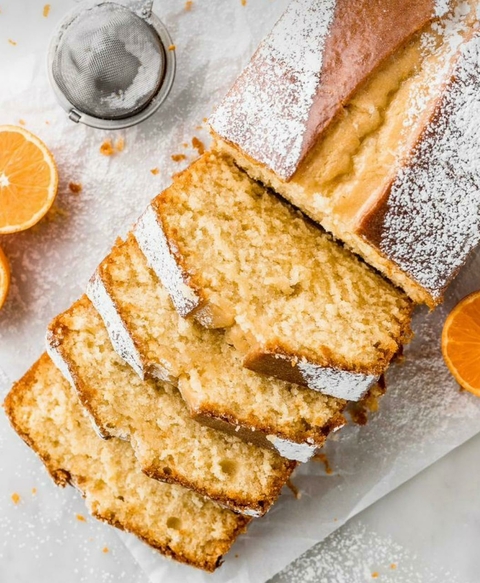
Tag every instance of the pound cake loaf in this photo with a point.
(169, 444)
(45, 412)
(298, 306)
(370, 130)
(147, 332)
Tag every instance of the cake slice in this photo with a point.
(169, 444)
(44, 411)
(147, 332)
(375, 139)
(298, 305)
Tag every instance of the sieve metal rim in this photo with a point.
(117, 124)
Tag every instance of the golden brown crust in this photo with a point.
(361, 36)
(376, 29)
(276, 360)
(209, 565)
(13, 401)
(56, 333)
(243, 506)
(317, 436)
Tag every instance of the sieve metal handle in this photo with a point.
(142, 8)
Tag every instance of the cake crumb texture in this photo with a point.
(44, 411)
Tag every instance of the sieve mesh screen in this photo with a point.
(109, 62)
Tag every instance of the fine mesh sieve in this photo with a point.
(109, 63)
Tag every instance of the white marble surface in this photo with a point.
(430, 523)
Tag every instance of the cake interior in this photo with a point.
(208, 370)
(169, 444)
(280, 280)
(45, 412)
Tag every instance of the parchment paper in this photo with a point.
(422, 417)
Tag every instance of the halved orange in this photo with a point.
(28, 179)
(4, 278)
(461, 343)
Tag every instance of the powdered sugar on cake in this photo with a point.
(159, 253)
(117, 331)
(432, 218)
(342, 384)
(279, 87)
(441, 7)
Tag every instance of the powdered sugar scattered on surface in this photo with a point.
(355, 554)
(277, 113)
(432, 220)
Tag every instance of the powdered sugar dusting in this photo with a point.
(154, 245)
(452, 31)
(441, 7)
(356, 554)
(301, 452)
(278, 88)
(117, 331)
(337, 383)
(432, 220)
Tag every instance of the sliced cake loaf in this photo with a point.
(371, 130)
(297, 305)
(149, 334)
(45, 412)
(169, 444)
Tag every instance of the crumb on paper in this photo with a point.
(46, 10)
(198, 145)
(54, 214)
(172, 47)
(295, 491)
(199, 127)
(185, 144)
(120, 144)
(243, 2)
(368, 404)
(399, 358)
(375, 575)
(178, 157)
(75, 187)
(15, 498)
(12, 42)
(321, 457)
(205, 119)
(188, 5)
(107, 148)
(155, 171)
(34, 491)
(393, 566)
(22, 122)
(105, 550)
(80, 518)
(236, 555)
(47, 122)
